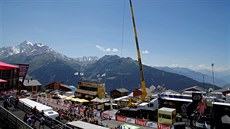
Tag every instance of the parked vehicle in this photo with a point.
(48, 111)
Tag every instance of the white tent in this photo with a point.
(98, 100)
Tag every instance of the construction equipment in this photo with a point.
(127, 103)
(143, 86)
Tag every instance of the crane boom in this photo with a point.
(143, 86)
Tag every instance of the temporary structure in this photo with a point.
(98, 100)
(83, 101)
(5, 66)
(70, 97)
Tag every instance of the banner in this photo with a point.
(121, 118)
(140, 122)
(162, 126)
(23, 68)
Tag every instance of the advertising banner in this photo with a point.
(121, 118)
(140, 122)
(162, 126)
(23, 68)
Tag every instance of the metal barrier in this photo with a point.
(13, 121)
(49, 122)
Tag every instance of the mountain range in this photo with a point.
(47, 66)
(198, 76)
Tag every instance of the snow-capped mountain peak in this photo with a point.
(40, 45)
(15, 50)
(27, 42)
(28, 50)
(26, 47)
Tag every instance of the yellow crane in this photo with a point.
(143, 86)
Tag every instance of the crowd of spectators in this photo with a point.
(31, 118)
(74, 112)
(79, 112)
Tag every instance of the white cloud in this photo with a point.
(145, 52)
(190, 66)
(202, 66)
(107, 49)
(114, 50)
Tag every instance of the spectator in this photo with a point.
(42, 113)
(41, 120)
(5, 105)
(34, 119)
(29, 121)
(16, 102)
(34, 110)
(33, 123)
(8, 102)
(101, 113)
(25, 117)
(30, 114)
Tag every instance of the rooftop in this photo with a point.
(167, 109)
(122, 90)
(30, 82)
(194, 87)
(223, 89)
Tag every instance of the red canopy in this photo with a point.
(5, 66)
(1, 80)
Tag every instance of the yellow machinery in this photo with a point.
(166, 116)
(143, 86)
(126, 103)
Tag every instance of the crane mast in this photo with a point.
(143, 85)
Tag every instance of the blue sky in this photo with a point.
(186, 33)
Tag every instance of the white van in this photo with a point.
(48, 111)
